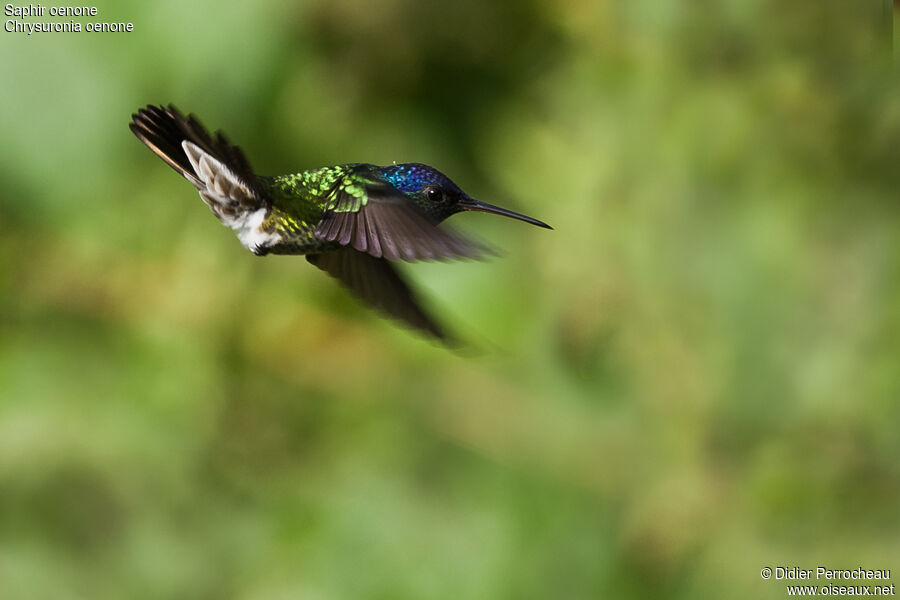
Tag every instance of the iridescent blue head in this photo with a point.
(438, 196)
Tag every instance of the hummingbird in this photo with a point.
(352, 221)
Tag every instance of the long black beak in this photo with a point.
(477, 205)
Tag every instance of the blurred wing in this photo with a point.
(375, 282)
(380, 220)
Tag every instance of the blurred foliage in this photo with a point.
(694, 376)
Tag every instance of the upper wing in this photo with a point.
(380, 220)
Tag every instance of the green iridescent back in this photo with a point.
(299, 201)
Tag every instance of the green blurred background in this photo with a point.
(694, 376)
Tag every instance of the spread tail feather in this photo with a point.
(164, 131)
(219, 171)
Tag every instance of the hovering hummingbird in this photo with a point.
(349, 220)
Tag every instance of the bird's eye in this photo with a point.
(434, 194)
